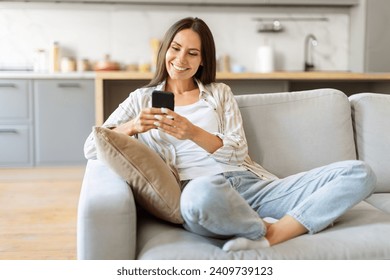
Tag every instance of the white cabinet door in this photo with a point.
(14, 100)
(16, 147)
(64, 116)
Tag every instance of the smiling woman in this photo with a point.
(202, 45)
(182, 60)
(183, 57)
(224, 193)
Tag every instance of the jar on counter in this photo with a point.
(144, 67)
(83, 65)
(68, 64)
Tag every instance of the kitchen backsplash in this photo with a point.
(90, 31)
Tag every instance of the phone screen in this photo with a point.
(163, 99)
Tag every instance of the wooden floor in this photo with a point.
(38, 213)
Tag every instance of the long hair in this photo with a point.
(206, 72)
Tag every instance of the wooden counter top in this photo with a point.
(126, 75)
(123, 75)
(90, 75)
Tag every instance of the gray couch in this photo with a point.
(287, 133)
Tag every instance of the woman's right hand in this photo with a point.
(142, 123)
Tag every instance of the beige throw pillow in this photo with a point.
(154, 186)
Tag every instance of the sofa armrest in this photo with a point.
(106, 224)
(371, 115)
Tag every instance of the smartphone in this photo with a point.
(162, 99)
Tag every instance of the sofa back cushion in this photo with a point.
(296, 131)
(371, 115)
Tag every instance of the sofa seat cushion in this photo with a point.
(361, 233)
(380, 201)
(293, 132)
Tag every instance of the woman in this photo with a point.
(225, 194)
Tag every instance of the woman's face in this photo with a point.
(183, 56)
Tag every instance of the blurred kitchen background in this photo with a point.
(50, 97)
(49, 49)
(125, 31)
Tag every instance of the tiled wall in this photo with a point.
(124, 31)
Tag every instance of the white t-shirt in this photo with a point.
(193, 161)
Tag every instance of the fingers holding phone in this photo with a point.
(146, 119)
(141, 123)
(162, 104)
(175, 125)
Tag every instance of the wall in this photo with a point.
(124, 31)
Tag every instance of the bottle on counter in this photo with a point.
(55, 57)
(40, 61)
(225, 63)
(154, 44)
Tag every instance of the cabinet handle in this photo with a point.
(8, 131)
(7, 85)
(69, 85)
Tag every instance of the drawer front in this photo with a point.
(15, 145)
(15, 101)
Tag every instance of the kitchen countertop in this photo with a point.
(46, 75)
(126, 75)
(320, 75)
(101, 76)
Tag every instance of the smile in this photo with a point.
(178, 68)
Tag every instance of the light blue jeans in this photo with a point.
(231, 204)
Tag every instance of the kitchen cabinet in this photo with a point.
(250, 86)
(116, 91)
(15, 145)
(15, 100)
(64, 116)
(16, 129)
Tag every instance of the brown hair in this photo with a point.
(206, 72)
